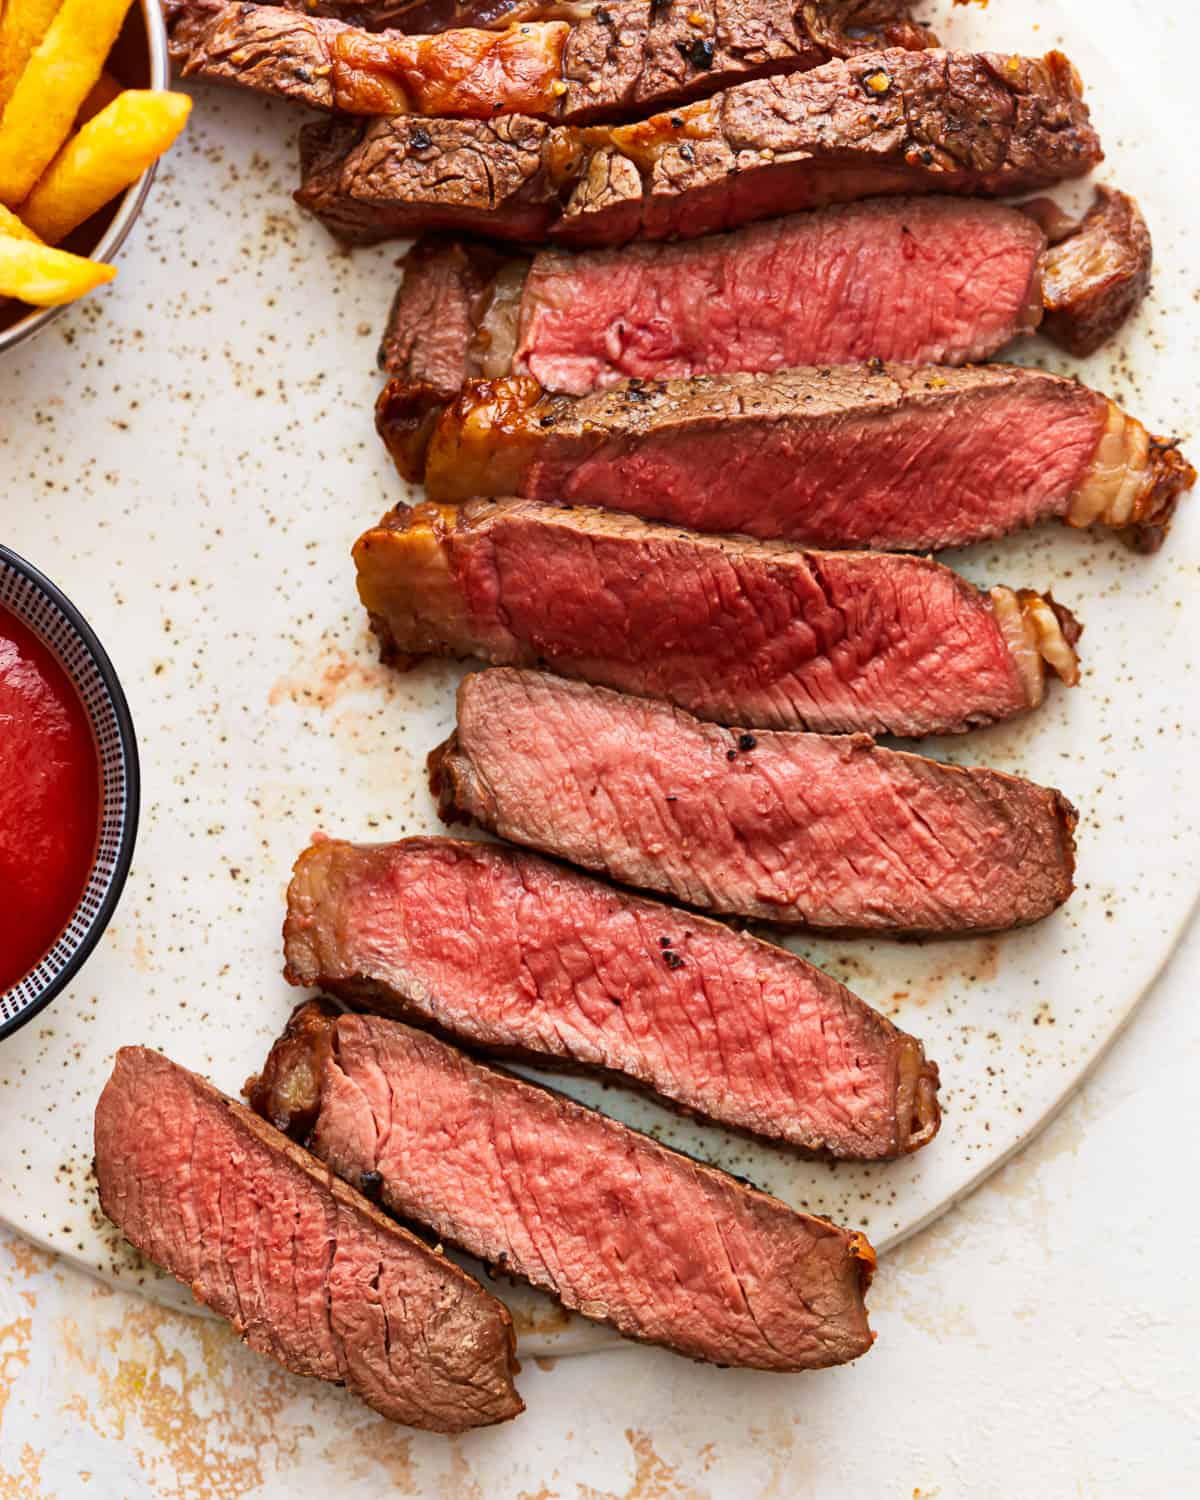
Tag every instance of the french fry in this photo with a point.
(104, 91)
(46, 100)
(10, 224)
(23, 24)
(45, 277)
(110, 151)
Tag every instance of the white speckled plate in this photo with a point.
(191, 456)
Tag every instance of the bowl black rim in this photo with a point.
(133, 787)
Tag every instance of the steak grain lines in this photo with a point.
(898, 457)
(890, 122)
(613, 62)
(761, 634)
(517, 956)
(306, 1270)
(827, 832)
(618, 1227)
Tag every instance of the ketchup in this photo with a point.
(49, 799)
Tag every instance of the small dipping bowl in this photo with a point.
(139, 60)
(46, 611)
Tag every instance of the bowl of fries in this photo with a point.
(85, 114)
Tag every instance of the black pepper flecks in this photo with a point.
(746, 742)
(672, 959)
(370, 1185)
(421, 139)
(699, 53)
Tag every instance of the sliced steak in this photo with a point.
(378, 179)
(304, 1268)
(819, 831)
(890, 122)
(618, 1227)
(839, 27)
(939, 281)
(329, 65)
(743, 632)
(513, 955)
(882, 456)
(615, 62)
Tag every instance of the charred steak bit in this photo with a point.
(305, 1270)
(901, 457)
(826, 832)
(664, 1248)
(761, 634)
(891, 122)
(614, 62)
(1097, 274)
(513, 955)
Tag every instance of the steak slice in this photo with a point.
(511, 954)
(426, 15)
(912, 458)
(304, 1268)
(374, 180)
(826, 832)
(839, 27)
(664, 1248)
(616, 61)
(889, 122)
(743, 632)
(330, 65)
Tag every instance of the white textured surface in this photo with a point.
(1038, 1342)
(197, 455)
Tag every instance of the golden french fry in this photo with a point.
(58, 78)
(109, 153)
(36, 273)
(10, 224)
(104, 91)
(23, 24)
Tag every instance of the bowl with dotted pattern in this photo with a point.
(45, 609)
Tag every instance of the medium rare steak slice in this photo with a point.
(890, 122)
(743, 632)
(614, 62)
(514, 955)
(882, 456)
(305, 1269)
(826, 832)
(618, 1227)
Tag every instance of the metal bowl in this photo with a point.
(141, 54)
(40, 604)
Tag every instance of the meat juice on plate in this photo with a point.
(49, 799)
